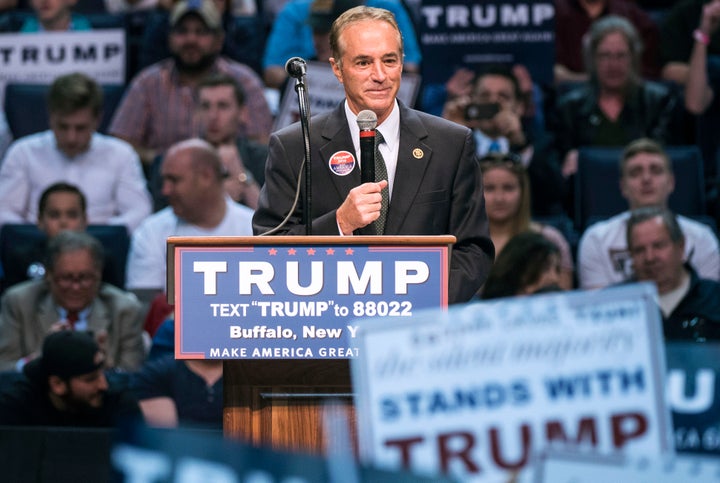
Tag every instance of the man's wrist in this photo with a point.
(701, 37)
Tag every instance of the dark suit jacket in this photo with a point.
(438, 194)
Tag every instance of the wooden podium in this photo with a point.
(278, 403)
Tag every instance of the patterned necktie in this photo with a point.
(380, 174)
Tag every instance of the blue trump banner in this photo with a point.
(470, 34)
(182, 455)
(270, 299)
(694, 396)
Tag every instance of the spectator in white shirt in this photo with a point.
(193, 183)
(646, 179)
(106, 169)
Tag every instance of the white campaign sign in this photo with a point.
(325, 92)
(39, 58)
(477, 390)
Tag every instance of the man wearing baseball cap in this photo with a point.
(66, 386)
(159, 106)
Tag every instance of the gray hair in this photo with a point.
(600, 29)
(667, 217)
(72, 241)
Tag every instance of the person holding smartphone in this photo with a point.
(492, 104)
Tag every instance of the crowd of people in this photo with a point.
(190, 151)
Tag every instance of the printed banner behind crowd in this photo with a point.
(477, 390)
(40, 58)
(471, 33)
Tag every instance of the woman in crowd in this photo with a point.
(507, 203)
(529, 263)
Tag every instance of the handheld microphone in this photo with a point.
(295, 67)
(367, 120)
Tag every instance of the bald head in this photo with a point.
(200, 155)
(193, 176)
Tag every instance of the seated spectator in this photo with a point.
(54, 16)
(507, 203)
(573, 19)
(689, 304)
(682, 29)
(646, 179)
(71, 297)
(244, 40)
(193, 177)
(176, 393)
(62, 206)
(66, 386)
(157, 110)
(615, 106)
(292, 33)
(221, 110)
(106, 169)
(529, 263)
(493, 106)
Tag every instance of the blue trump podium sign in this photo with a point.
(296, 297)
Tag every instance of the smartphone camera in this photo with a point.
(476, 111)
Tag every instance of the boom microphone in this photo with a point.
(367, 120)
(295, 67)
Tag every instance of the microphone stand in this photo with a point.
(304, 104)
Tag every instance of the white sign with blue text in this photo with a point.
(40, 58)
(476, 391)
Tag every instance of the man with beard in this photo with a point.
(66, 386)
(158, 108)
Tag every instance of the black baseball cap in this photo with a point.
(66, 354)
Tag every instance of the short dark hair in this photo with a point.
(60, 187)
(667, 217)
(216, 80)
(520, 263)
(72, 92)
(500, 70)
(70, 241)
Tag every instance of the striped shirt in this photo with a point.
(157, 111)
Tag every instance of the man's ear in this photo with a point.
(336, 69)
(57, 385)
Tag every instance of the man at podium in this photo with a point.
(427, 180)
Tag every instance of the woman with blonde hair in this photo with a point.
(507, 203)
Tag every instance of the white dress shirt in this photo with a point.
(109, 174)
(390, 130)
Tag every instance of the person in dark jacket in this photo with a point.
(690, 305)
(67, 386)
(615, 106)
